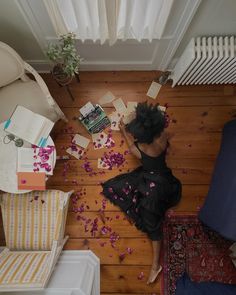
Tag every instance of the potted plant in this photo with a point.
(65, 58)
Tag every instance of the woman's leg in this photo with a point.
(156, 267)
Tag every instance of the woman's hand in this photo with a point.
(122, 126)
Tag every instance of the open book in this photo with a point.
(29, 126)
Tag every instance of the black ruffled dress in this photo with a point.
(145, 193)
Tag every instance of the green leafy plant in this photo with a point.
(65, 54)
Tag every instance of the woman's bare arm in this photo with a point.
(130, 141)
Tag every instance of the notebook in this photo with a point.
(31, 181)
(29, 126)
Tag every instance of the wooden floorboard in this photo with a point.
(197, 116)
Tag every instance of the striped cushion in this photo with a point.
(33, 220)
(17, 268)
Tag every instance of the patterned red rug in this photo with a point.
(190, 246)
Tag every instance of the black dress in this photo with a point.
(145, 193)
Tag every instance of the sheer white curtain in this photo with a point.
(110, 19)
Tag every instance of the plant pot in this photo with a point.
(60, 76)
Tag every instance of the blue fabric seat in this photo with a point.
(219, 210)
(185, 286)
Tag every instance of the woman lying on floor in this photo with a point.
(147, 192)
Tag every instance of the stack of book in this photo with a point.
(33, 165)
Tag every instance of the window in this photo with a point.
(110, 19)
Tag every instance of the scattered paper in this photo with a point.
(81, 141)
(162, 108)
(128, 118)
(102, 164)
(77, 153)
(131, 106)
(106, 98)
(99, 140)
(115, 118)
(119, 106)
(102, 140)
(154, 90)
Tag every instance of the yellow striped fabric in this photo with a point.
(23, 267)
(32, 221)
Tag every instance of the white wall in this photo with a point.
(15, 31)
(214, 17)
(25, 25)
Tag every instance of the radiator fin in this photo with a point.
(207, 60)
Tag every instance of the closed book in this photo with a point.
(31, 180)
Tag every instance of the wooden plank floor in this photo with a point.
(197, 115)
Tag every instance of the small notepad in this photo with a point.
(31, 181)
(81, 141)
(154, 90)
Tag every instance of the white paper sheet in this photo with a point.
(162, 108)
(86, 109)
(81, 141)
(131, 106)
(77, 154)
(106, 98)
(128, 118)
(102, 140)
(101, 164)
(99, 140)
(154, 90)
(115, 118)
(119, 106)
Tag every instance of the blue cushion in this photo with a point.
(186, 287)
(219, 209)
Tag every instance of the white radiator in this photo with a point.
(207, 60)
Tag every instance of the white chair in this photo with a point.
(16, 88)
(34, 225)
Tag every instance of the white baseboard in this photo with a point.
(43, 66)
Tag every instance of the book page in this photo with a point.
(119, 106)
(24, 124)
(106, 98)
(25, 160)
(154, 90)
(41, 139)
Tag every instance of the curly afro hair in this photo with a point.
(148, 123)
